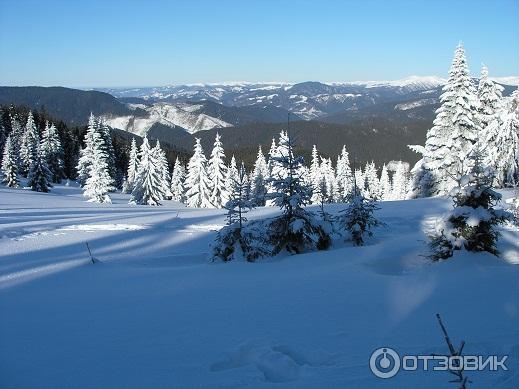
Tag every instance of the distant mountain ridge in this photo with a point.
(308, 100)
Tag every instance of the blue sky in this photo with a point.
(98, 43)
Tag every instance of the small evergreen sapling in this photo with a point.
(232, 236)
(472, 224)
(358, 220)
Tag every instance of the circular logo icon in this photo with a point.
(384, 362)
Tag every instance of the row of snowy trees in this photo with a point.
(469, 118)
(27, 154)
(208, 183)
(296, 229)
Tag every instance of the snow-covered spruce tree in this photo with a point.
(85, 154)
(238, 203)
(39, 177)
(400, 181)
(386, 189)
(52, 151)
(372, 183)
(472, 224)
(16, 135)
(344, 177)
(99, 181)
(258, 179)
(359, 181)
(231, 237)
(316, 178)
(104, 130)
(270, 165)
(357, 220)
(490, 99)
(454, 132)
(133, 166)
(296, 230)
(29, 145)
(216, 171)
(328, 174)
(197, 182)
(162, 166)
(3, 138)
(148, 187)
(9, 165)
(231, 175)
(177, 181)
(501, 141)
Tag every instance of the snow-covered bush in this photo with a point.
(472, 224)
(357, 220)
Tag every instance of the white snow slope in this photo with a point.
(186, 116)
(154, 313)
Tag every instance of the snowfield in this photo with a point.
(155, 313)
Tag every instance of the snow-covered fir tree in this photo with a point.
(16, 139)
(386, 189)
(162, 166)
(148, 187)
(52, 151)
(39, 178)
(3, 136)
(278, 170)
(231, 236)
(133, 166)
(177, 181)
(472, 224)
(197, 182)
(372, 184)
(454, 132)
(490, 97)
(344, 176)
(29, 145)
(104, 130)
(328, 173)
(10, 165)
(360, 182)
(501, 140)
(217, 171)
(231, 175)
(316, 179)
(400, 182)
(258, 179)
(238, 203)
(357, 220)
(98, 182)
(85, 154)
(296, 230)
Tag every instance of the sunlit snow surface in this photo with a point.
(154, 313)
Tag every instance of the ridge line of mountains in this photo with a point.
(375, 120)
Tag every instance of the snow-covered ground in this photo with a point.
(154, 313)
